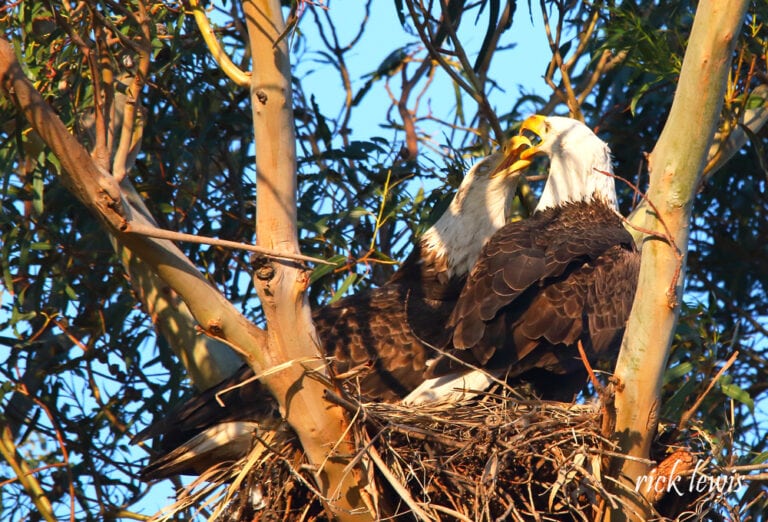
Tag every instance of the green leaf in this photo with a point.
(756, 100)
(735, 392)
(38, 189)
(323, 270)
(357, 213)
(54, 162)
(350, 279)
(458, 98)
(673, 407)
(677, 371)
(70, 292)
(636, 98)
(759, 459)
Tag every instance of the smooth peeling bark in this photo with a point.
(208, 361)
(676, 166)
(319, 425)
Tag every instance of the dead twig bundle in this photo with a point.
(491, 458)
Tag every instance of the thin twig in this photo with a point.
(590, 371)
(266, 373)
(685, 418)
(470, 87)
(131, 227)
(451, 512)
(667, 235)
(401, 490)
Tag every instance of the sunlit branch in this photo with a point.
(676, 165)
(409, 126)
(585, 37)
(233, 72)
(569, 97)
(102, 81)
(729, 141)
(282, 286)
(25, 476)
(132, 227)
(129, 137)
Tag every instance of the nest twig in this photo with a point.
(487, 459)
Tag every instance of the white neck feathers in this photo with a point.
(580, 167)
(476, 212)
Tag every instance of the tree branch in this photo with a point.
(233, 72)
(208, 361)
(25, 475)
(130, 133)
(102, 195)
(319, 425)
(151, 231)
(676, 166)
(751, 120)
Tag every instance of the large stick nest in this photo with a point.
(491, 458)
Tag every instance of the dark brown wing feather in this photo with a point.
(203, 410)
(566, 274)
(388, 333)
(380, 338)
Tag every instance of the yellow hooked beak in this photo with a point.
(513, 161)
(520, 150)
(535, 125)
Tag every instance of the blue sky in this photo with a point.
(520, 68)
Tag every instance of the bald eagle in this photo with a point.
(539, 287)
(566, 275)
(381, 338)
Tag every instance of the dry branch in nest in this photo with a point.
(491, 458)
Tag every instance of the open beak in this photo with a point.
(533, 128)
(521, 149)
(513, 157)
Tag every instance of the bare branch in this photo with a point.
(685, 418)
(130, 132)
(676, 166)
(432, 42)
(25, 476)
(207, 359)
(319, 425)
(730, 141)
(132, 227)
(233, 72)
(567, 94)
